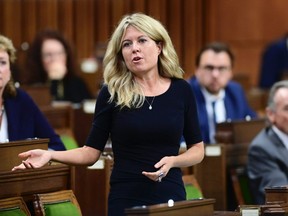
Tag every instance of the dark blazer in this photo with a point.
(25, 120)
(267, 163)
(274, 63)
(235, 101)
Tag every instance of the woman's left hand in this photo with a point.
(163, 166)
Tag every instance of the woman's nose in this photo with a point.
(135, 47)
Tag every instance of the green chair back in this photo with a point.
(192, 192)
(61, 208)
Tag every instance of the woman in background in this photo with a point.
(20, 118)
(50, 62)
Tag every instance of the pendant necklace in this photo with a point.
(150, 104)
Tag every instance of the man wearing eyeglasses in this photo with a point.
(219, 99)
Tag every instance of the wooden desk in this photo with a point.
(39, 93)
(74, 120)
(213, 173)
(276, 194)
(238, 131)
(91, 187)
(226, 213)
(9, 151)
(28, 182)
(60, 116)
(81, 131)
(182, 208)
(25, 183)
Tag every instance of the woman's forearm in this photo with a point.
(80, 156)
(192, 156)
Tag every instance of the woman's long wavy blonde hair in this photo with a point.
(119, 80)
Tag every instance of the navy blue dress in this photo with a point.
(140, 138)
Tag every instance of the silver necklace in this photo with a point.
(150, 104)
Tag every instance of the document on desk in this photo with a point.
(249, 211)
(213, 150)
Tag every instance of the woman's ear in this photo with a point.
(159, 44)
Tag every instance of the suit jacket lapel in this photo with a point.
(281, 148)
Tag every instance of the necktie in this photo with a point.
(213, 111)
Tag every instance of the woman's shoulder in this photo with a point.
(21, 93)
(103, 93)
(22, 100)
(181, 84)
(178, 81)
(22, 96)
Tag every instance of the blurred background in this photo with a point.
(246, 25)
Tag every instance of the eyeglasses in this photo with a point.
(50, 55)
(211, 68)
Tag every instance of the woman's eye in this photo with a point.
(126, 44)
(3, 62)
(142, 40)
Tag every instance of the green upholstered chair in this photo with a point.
(193, 190)
(14, 206)
(69, 141)
(56, 204)
(240, 183)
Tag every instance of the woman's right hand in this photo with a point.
(34, 159)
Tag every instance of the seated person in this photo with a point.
(50, 62)
(218, 98)
(20, 118)
(274, 63)
(268, 152)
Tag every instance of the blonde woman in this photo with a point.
(145, 107)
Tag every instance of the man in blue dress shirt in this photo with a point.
(219, 99)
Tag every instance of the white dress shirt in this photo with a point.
(220, 111)
(4, 129)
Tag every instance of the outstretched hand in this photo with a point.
(163, 166)
(34, 159)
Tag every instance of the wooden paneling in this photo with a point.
(66, 23)
(174, 25)
(84, 23)
(138, 5)
(29, 21)
(11, 12)
(102, 21)
(89, 23)
(248, 26)
(47, 14)
(192, 37)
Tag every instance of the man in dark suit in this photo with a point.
(218, 98)
(274, 65)
(268, 152)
